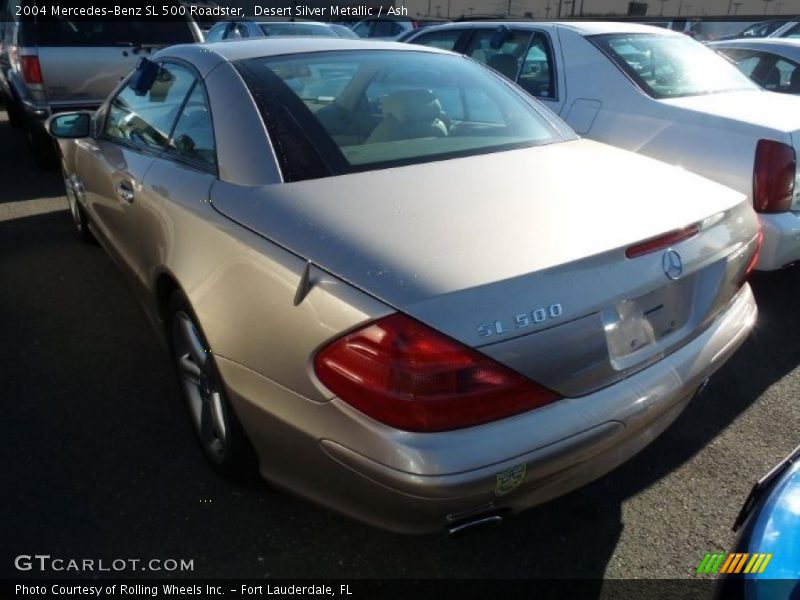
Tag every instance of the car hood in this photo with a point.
(778, 112)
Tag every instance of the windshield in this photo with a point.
(668, 66)
(284, 29)
(360, 110)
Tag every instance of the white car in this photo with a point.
(774, 64)
(391, 28)
(659, 93)
(789, 30)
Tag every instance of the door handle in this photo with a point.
(125, 192)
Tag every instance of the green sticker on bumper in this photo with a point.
(509, 480)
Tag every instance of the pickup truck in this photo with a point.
(50, 65)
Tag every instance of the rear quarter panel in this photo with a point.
(242, 288)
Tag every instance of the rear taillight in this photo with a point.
(662, 241)
(31, 69)
(773, 177)
(408, 376)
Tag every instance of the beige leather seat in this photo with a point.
(409, 114)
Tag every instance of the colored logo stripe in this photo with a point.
(733, 563)
(711, 563)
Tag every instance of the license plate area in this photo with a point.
(635, 328)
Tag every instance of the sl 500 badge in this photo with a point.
(509, 480)
(521, 321)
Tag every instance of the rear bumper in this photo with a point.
(781, 240)
(416, 483)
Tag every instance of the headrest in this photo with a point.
(412, 105)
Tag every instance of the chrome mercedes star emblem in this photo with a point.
(672, 263)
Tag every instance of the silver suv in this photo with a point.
(52, 65)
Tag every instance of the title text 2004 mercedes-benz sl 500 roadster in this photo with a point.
(422, 299)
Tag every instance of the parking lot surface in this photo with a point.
(100, 460)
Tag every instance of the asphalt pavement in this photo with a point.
(99, 460)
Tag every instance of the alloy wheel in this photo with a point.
(201, 387)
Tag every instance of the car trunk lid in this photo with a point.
(759, 108)
(523, 246)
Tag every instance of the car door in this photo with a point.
(112, 165)
(176, 187)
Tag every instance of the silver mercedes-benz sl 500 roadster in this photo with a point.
(409, 287)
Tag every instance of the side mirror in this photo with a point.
(70, 125)
(144, 76)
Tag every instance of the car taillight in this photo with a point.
(408, 376)
(661, 241)
(31, 69)
(773, 177)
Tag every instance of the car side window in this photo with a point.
(383, 28)
(446, 40)
(768, 70)
(234, 31)
(794, 32)
(146, 120)
(745, 61)
(193, 136)
(217, 33)
(789, 82)
(537, 73)
(503, 52)
(362, 29)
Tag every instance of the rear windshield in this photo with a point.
(336, 112)
(62, 32)
(283, 29)
(669, 66)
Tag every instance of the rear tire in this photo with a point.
(222, 438)
(16, 117)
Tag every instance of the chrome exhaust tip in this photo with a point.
(480, 521)
(702, 387)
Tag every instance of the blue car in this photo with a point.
(769, 524)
